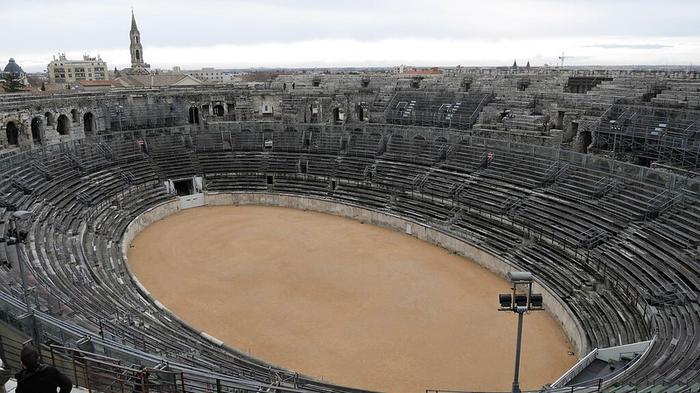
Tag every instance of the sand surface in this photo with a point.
(342, 301)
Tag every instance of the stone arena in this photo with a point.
(585, 177)
(333, 298)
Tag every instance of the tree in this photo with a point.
(13, 82)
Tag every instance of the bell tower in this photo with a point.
(135, 46)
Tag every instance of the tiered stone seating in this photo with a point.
(171, 158)
(288, 140)
(625, 273)
(364, 146)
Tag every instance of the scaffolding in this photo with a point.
(436, 109)
(652, 134)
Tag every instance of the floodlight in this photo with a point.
(536, 300)
(505, 300)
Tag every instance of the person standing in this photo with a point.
(37, 377)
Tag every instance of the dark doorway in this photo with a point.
(194, 115)
(218, 110)
(36, 130)
(183, 187)
(88, 123)
(560, 119)
(63, 127)
(12, 133)
(586, 140)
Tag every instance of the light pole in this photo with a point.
(520, 301)
(16, 237)
(119, 116)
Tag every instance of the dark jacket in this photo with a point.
(43, 379)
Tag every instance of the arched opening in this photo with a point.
(194, 115)
(36, 130)
(62, 127)
(12, 133)
(49, 118)
(420, 145)
(88, 123)
(338, 116)
(218, 110)
(75, 116)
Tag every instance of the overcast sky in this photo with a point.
(304, 33)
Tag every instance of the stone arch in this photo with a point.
(74, 115)
(63, 125)
(49, 118)
(12, 133)
(36, 127)
(88, 123)
(419, 144)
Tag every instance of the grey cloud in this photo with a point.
(629, 46)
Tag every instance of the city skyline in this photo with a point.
(273, 33)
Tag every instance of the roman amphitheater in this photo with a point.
(352, 232)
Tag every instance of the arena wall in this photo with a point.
(555, 306)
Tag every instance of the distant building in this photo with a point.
(156, 80)
(12, 69)
(211, 75)
(62, 70)
(208, 75)
(406, 70)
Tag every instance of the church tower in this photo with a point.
(137, 63)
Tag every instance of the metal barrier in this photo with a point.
(108, 366)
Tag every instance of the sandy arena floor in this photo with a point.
(342, 301)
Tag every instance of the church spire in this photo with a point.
(138, 65)
(133, 22)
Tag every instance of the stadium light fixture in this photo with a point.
(520, 300)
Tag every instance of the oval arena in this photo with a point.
(335, 298)
(91, 193)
